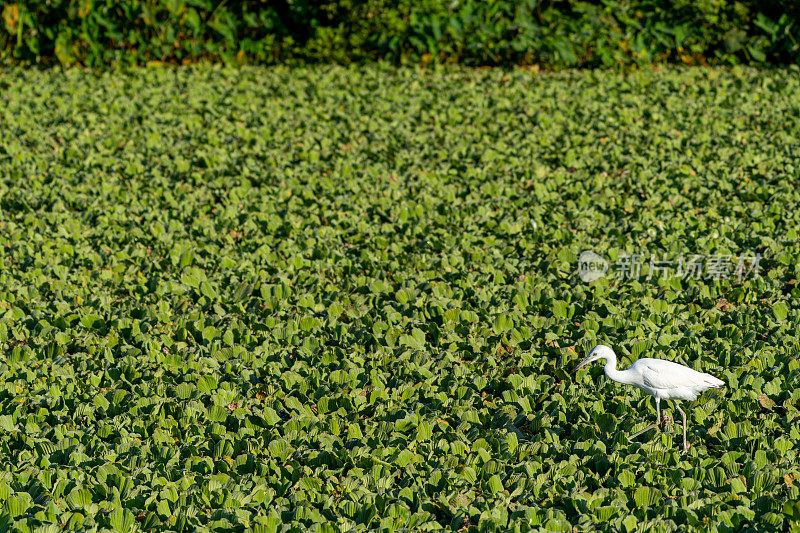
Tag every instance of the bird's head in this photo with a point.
(601, 351)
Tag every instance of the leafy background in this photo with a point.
(332, 298)
(546, 33)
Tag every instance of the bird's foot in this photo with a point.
(686, 446)
(647, 428)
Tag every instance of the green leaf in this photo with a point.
(7, 423)
(424, 431)
(270, 416)
(91, 321)
(206, 384)
(405, 458)
(502, 323)
(630, 523)
(17, 504)
(646, 496)
(78, 498)
(469, 474)
(780, 310)
(187, 258)
(560, 309)
(121, 520)
(495, 484)
(512, 442)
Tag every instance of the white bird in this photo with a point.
(663, 380)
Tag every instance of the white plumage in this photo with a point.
(663, 380)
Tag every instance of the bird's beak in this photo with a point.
(583, 363)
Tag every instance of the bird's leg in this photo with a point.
(655, 424)
(683, 415)
(658, 412)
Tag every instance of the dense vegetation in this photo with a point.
(248, 298)
(549, 34)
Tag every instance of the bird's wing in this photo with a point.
(661, 374)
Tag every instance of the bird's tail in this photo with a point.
(712, 381)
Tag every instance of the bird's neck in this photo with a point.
(620, 376)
